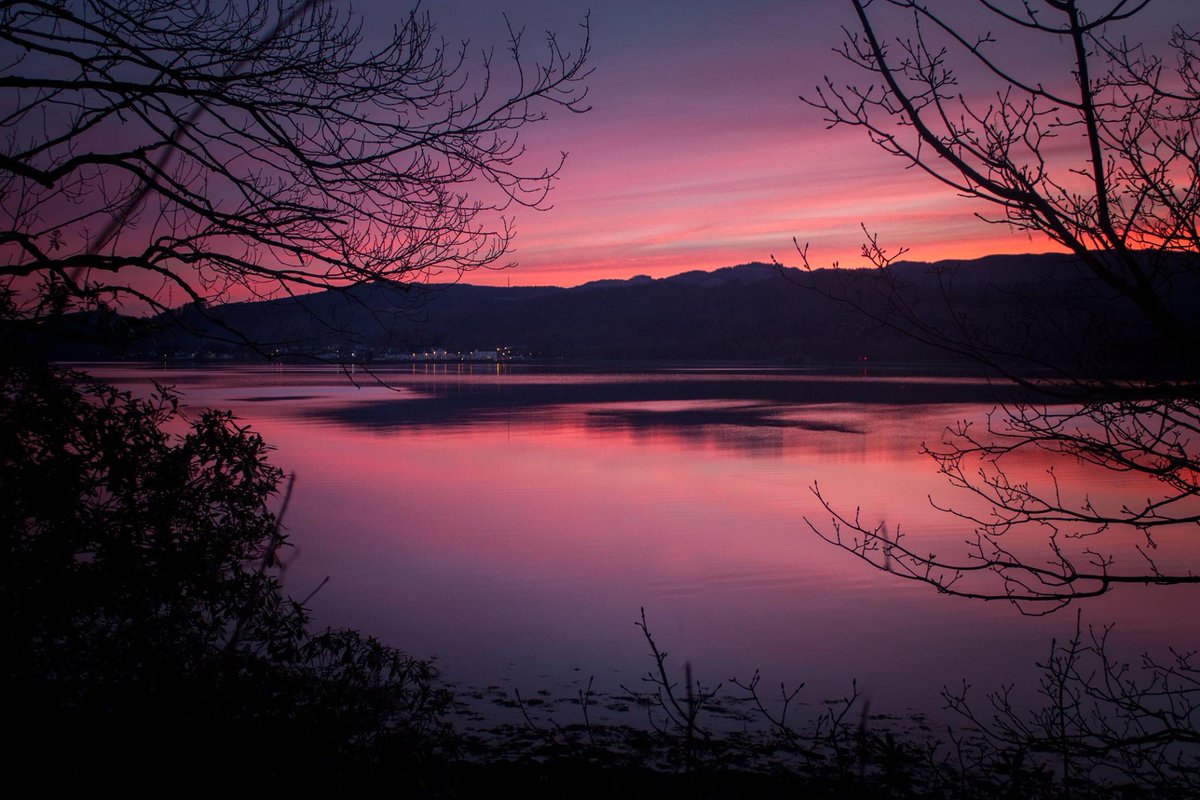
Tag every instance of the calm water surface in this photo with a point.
(512, 522)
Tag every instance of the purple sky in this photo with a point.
(698, 152)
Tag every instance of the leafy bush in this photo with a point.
(146, 628)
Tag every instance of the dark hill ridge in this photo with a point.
(749, 312)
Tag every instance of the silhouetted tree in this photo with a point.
(180, 152)
(146, 629)
(1103, 160)
(154, 152)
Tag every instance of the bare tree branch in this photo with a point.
(255, 146)
(1105, 160)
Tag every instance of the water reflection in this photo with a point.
(441, 399)
(514, 523)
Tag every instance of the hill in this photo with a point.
(749, 312)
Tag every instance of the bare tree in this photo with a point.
(1101, 716)
(1103, 159)
(171, 152)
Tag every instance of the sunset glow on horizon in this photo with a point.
(698, 152)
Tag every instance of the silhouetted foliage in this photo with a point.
(174, 153)
(1131, 725)
(1103, 729)
(1121, 196)
(160, 152)
(145, 625)
(1101, 158)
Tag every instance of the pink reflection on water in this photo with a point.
(521, 543)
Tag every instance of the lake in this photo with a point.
(512, 521)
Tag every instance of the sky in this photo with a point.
(698, 152)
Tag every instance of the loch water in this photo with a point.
(512, 521)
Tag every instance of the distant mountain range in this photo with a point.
(759, 312)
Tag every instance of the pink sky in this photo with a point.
(698, 153)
